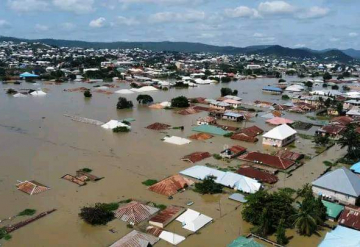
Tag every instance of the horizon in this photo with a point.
(233, 23)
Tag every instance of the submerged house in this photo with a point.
(267, 160)
(206, 121)
(340, 185)
(232, 152)
(196, 157)
(220, 105)
(350, 217)
(272, 90)
(135, 212)
(171, 185)
(31, 187)
(136, 238)
(341, 236)
(248, 134)
(280, 136)
(233, 116)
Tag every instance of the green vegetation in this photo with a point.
(327, 76)
(88, 170)
(280, 233)
(181, 84)
(160, 206)
(98, 214)
(230, 134)
(144, 99)
(11, 91)
(227, 91)
(309, 84)
(123, 103)
(351, 140)
(322, 140)
(180, 102)
(282, 80)
(329, 163)
(217, 156)
(27, 212)
(274, 212)
(225, 79)
(4, 234)
(87, 94)
(285, 97)
(110, 206)
(208, 186)
(120, 129)
(149, 182)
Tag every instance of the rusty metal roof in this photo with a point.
(350, 217)
(136, 239)
(135, 212)
(196, 156)
(267, 159)
(171, 185)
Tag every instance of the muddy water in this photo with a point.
(37, 142)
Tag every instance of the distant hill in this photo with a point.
(270, 50)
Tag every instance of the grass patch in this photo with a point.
(27, 212)
(304, 136)
(110, 206)
(125, 201)
(149, 182)
(228, 134)
(217, 156)
(329, 163)
(160, 206)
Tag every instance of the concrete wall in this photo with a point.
(278, 143)
(344, 199)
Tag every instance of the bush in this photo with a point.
(226, 91)
(4, 234)
(228, 134)
(217, 156)
(225, 79)
(144, 99)
(120, 129)
(11, 91)
(27, 212)
(285, 97)
(86, 170)
(208, 186)
(282, 80)
(180, 101)
(327, 76)
(123, 103)
(149, 182)
(97, 215)
(335, 87)
(87, 94)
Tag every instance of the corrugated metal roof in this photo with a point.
(341, 180)
(210, 129)
(350, 217)
(171, 185)
(135, 212)
(136, 239)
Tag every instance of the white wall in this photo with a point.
(334, 195)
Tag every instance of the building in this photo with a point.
(279, 136)
(267, 160)
(350, 217)
(272, 90)
(220, 105)
(341, 236)
(340, 185)
(248, 134)
(206, 120)
(333, 210)
(171, 185)
(234, 151)
(233, 116)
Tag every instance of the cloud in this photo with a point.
(4, 24)
(189, 16)
(276, 8)
(241, 11)
(97, 23)
(28, 5)
(76, 6)
(258, 35)
(67, 26)
(314, 13)
(334, 39)
(41, 28)
(162, 2)
(121, 20)
(353, 34)
(299, 45)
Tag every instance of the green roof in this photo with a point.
(332, 209)
(244, 242)
(210, 129)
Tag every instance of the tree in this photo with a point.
(339, 108)
(335, 87)
(280, 234)
(225, 79)
(208, 186)
(87, 94)
(324, 85)
(264, 226)
(351, 139)
(180, 101)
(309, 84)
(226, 91)
(322, 140)
(97, 215)
(305, 223)
(123, 103)
(327, 76)
(144, 99)
(327, 102)
(235, 92)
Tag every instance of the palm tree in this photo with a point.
(351, 139)
(306, 221)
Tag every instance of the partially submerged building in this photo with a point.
(166, 216)
(135, 212)
(31, 187)
(171, 185)
(279, 136)
(340, 185)
(136, 239)
(196, 157)
(267, 160)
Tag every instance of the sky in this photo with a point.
(316, 24)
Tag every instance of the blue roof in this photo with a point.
(355, 167)
(238, 197)
(28, 75)
(276, 89)
(244, 242)
(233, 114)
(210, 129)
(341, 236)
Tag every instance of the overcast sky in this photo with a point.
(317, 24)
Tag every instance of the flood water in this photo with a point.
(37, 142)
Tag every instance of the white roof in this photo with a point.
(295, 88)
(102, 88)
(188, 216)
(124, 91)
(172, 238)
(38, 93)
(176, 140)
(228, 179)
(144, 89)
(165, 104)
(112, 124)
(19, 95)
(280, 132)
(198, 223)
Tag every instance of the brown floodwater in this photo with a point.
(38, 143)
